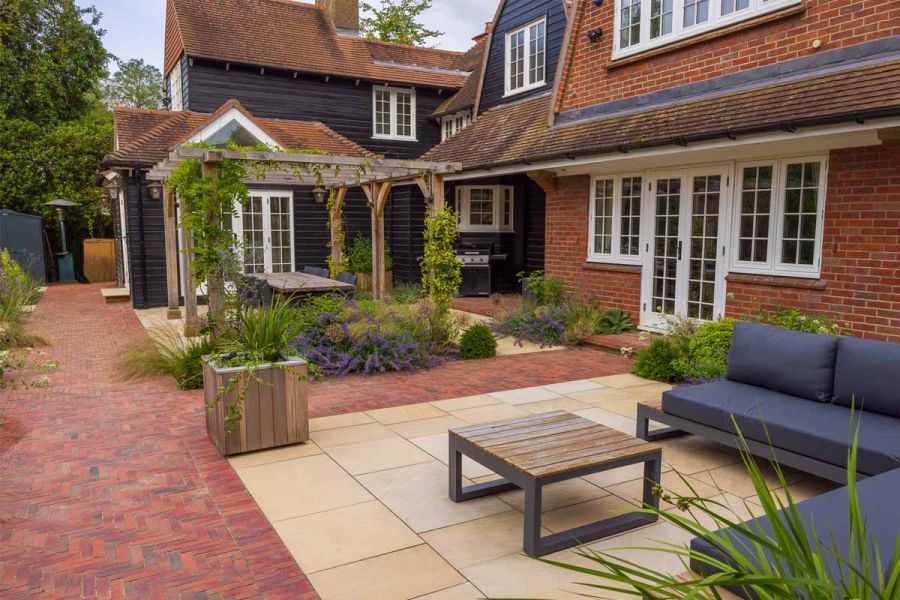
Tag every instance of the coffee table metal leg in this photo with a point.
(652, 478)
(533, 501)
(458, 493)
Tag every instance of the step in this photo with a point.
(614, 342)
(113, 295)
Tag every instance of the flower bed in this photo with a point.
(364, 336)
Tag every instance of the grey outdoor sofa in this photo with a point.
(798, 398)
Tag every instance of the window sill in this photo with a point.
(610, 267)
(706, 36)
(469, 230)
(394, 138)
(779, 281)
(531, 88)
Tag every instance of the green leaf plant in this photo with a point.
(786, 561)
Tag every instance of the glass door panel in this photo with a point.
(666, 246)
(702, 270)
(282, 248)
(253, 241)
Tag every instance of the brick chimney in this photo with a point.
(344, 13)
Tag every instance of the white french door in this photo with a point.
(684, 262)
(264, 228)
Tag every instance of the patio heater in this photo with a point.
(64, 261)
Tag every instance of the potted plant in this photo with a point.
(256, 387)
(359, 261)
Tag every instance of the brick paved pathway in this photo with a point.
(112, 490)
(461, 378)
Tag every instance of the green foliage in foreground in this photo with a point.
(787, 563)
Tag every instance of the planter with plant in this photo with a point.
(359, 261)
(255, 386)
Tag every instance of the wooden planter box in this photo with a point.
(275, 413)
(364, 282)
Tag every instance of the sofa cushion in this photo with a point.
(819, 431)
(869, 372)
(827, 515)
(796, 363)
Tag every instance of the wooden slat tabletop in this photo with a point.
(302, 283)
(553, 443)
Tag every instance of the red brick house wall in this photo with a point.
(860, 281)
(590, 79)
(565, 251)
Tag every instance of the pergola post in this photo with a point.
(171, 236)
(191, 316)
(215, 285)
(337, 226)
(438, 201)
(378, 194)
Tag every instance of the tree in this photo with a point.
(39, 164)
(135, 84)
(398, 21)
(51, 60)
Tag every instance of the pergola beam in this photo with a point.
(374, 174)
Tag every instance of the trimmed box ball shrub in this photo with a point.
(657, 362)
(478, 342)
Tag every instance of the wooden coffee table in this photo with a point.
(538, 450)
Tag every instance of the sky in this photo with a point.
(135, 27)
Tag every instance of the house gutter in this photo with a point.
(538, 161)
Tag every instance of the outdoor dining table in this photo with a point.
(303, 283)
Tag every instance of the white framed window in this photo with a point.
(614, 234)
(485, 207)
(393, 113)
(644, 24)
(176, 88)
(526, 57)
(453, 124)
(779, 216)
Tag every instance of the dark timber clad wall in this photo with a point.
(347, 108)
(340, 104)
(146, 245)
(517, 13)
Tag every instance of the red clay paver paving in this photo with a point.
(112, 490)
(462, 378)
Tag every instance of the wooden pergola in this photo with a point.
(376, 176)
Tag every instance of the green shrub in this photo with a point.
(166, 352)
(17, 289)
(312, 307)
(407, 293)
(543, 290)
(616, 321)
(441, 267)
(658, 362)
(796, 320)
(478, 342)
(359, 256)
(707, 351)
(580, 319)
